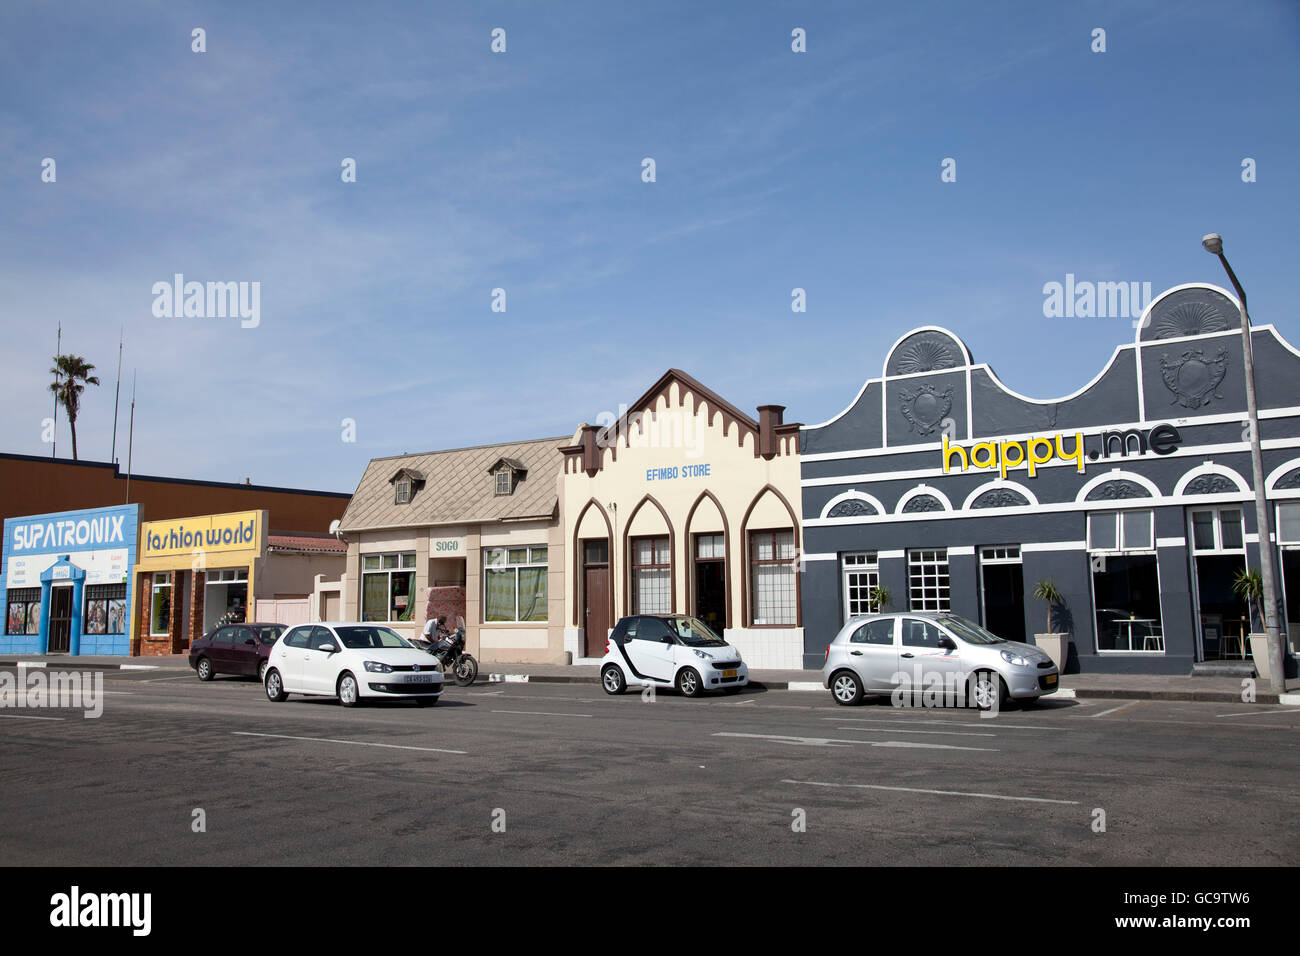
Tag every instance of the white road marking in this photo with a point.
(833, 742)
(26, 717)
(1131, 703)
(942, 793)
(539, 713)
(358, 743)
(156, 680)
(999, 725)
(944, 733)
(1251, 713)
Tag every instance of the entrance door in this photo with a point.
(595, 596)
(60, 620)
(711, 581)
(1004, 592)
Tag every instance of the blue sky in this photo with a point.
(522, 171)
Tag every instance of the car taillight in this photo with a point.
(606, 645)
(827, 655)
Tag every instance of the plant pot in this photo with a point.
(1056, 646)
(1259, 651)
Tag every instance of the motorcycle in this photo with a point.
(449, 652)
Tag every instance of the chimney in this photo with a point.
(769, 417)
(590, 453)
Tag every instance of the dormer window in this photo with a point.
(507, 473)
(406, 482)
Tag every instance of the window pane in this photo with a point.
(597, 552)
(370, 562)
(494, 557)
(537, 555)
(1288, 522)
(532, 594)
(160, 618)
(1230, 519)
(408, 560)
(499, 595)
(518, 556)
(1101, 531)
(402, 608)
(1137, 530)
(374, 597)
(650, 591)
(661, 551)
(1203, 530)
(1128, 604)
(774, 590)
(390, 560)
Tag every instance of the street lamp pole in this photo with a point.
(1213, 244)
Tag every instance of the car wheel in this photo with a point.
(611, 678)
(846, 688)
(988, 690)
(261, 670)
(689, 683)
(274, 686)
(348, 691)
(204, 668)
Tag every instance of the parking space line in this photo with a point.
(999, 725)
(942, 793)
(1113, 710)
(836, 742)
(944, 733)
(358, 743)
(30, 717)
(539, 713)
(1253, 713)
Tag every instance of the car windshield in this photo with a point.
(969, 631)
(695, 633)
(369, 636)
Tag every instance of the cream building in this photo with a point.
(472, 531)
(685, 504)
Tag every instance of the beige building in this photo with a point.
(472, 531)
(685, 504)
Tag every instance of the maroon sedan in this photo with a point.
(234, 649)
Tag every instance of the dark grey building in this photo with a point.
(1133, 494)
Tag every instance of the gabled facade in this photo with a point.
(1132, 494)
(684, 504)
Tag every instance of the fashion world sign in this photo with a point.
(1076, 448)
(230, 532)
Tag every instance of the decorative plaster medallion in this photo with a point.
(1194, 379)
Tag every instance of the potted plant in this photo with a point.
(1057, 646)
(879, 597)
(1249, 586)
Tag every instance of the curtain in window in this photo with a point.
(374, 597)
(532, 594)
(499, 595)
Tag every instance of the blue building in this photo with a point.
(67, 581)
(1133, 494)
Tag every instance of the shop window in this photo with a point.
(388, 586)
(23, 614)
(1125, 580)
(160, 604)
(1218, 556)
(514, 584)
(651, 576)
(772, 578)
(105, 609)
(860, 574)
(928, 586)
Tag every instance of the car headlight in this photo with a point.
(378, 667)
(704, 657)
(1016, 659)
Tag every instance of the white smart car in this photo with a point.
(350, 661)
(670, 650)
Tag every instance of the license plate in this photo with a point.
(1051, 679)
(729, 673)
(420, 679)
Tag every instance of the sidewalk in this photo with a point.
(1224, 690)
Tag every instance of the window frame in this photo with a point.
(943, 602)
(776, 561)
(849, 567)
(399, 567)
(532, 562)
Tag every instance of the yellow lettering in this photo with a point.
(1036, 459)
(949, 451)
(988, 462)
(1007, 461)
(1077, 456)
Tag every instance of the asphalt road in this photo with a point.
(577, 777)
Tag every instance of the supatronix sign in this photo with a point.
(57, 532)
(1076, 448)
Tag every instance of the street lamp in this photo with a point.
(1213, 244)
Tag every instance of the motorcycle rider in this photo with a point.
(435, 629)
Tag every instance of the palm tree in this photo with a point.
(69, 371)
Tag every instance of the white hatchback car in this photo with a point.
(352, 662)
(670, 650)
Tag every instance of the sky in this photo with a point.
(523, 170)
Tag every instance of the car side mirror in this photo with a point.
(250, 641)
(328, 648)
(666, 639)
(948, 643)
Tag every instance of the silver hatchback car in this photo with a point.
(910, 653)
